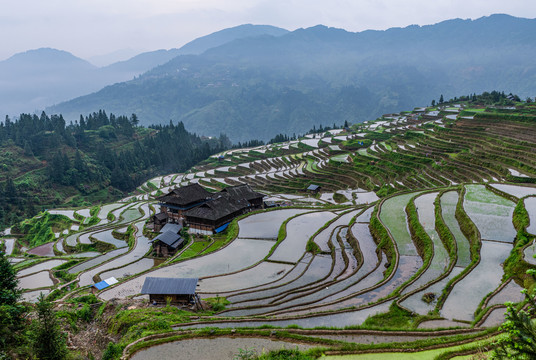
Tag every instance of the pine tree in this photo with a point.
(11, 313)
(48, 341)
(520, 331)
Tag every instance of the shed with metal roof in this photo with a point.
(177, 290)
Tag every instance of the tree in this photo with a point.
(48, 341)
(433, 102)
(11, 313)
(520, 330)
(134, 120)
(441, 100)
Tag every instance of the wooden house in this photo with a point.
(176, 202)
(214, 215)
(203, 212)
(167, 243)
(313, 189)
(176, 290)
(159, 221)
(245, 192)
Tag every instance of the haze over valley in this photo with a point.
(353, 180)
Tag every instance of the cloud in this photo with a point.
(91, 27)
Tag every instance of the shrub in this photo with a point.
(113, 351)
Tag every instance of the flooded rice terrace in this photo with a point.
(214, 349)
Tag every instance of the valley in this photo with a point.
(402, 235)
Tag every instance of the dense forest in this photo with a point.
(46, 162)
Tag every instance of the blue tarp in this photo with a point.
(105, 283)
(101, 285)
(221, 228)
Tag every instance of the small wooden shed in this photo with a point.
(167, 243)
(177, 290)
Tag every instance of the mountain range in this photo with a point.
(255, 82)
(35, 79)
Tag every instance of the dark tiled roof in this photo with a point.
(170, 238)
(169, 286)
(218, 207)
(243, 191)
(175, 228)
(185, 195)
(161, 216)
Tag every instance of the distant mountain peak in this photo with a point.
(221, 37)
(46, 55)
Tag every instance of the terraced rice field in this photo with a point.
(490, 213)
(530, 205)
(342, 256)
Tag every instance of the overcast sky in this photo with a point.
(88, 28)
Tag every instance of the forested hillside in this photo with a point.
(46, 162)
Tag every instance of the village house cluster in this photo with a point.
(202, 212)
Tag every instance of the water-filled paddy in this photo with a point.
(213, 348)
(515, 190)
(319, 269)
(265, 272)
(322, 239)
(530, 205)
(241, 253)
(415, 302)
(491, 213)
(107, 237)
(299, 230)
(407, 266)
(32, 296)
(130, 215)
(529, 253)
(345, 289)
(129, 270)
(336, 320)
(310, 142)
(84, 212)
(86, 254)
(142, 247)
(10, 244)
(68, 213)
(440, 260)
(43, 250)
(483, 279)
(291, 276)
(105, 209)
(393, 216)
(511, 292)
(495, 318)
(46, 265)
(265, 225)
(35, 281)
(448, 208)
(97, 260)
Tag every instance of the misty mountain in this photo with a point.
(259, 86)
(202, 44)
(28, 79)
(113, 57)
(31, 80)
